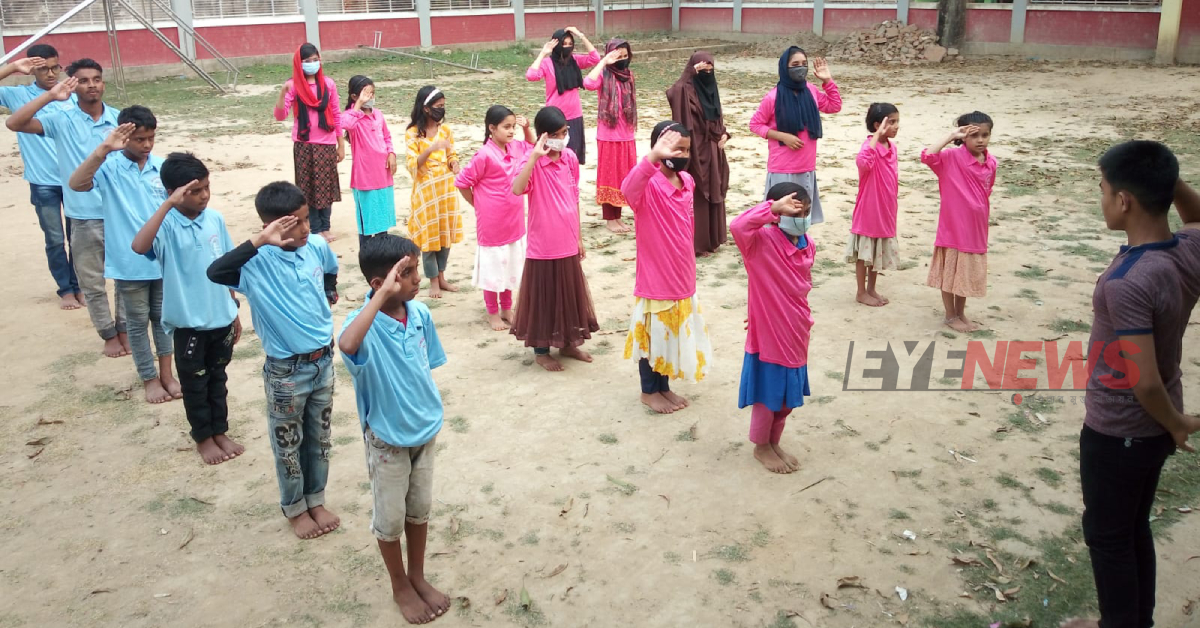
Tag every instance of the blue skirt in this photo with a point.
(375, 210)
(773, 385)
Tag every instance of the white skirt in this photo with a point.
(498, 268)
(672, 335)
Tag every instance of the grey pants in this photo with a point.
(435, 262)
(87, 253)
(143, 307)
(806, 180)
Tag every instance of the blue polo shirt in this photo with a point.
(286, 291)
(185, 249)
(76, 135)
(393, 382)
(38, 153)
(131, 196)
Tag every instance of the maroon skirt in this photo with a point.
(554, 308)
(317, 174)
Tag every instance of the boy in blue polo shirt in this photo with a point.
(41, 166)
(186, 236)
(77, 131)
(290, 278)
(130, 184)
(389, 346)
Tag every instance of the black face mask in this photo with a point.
(564, 52)
(622, 65)
(437, 113)
(678, 164)
(706, 78)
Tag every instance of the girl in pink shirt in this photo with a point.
(667, 333)
(486, 184)
(778, 256)
(966, 175)
(872, 246)
(317, 147)
(615, 128)
(555, 308)
(789, 118)
(559, 67)
(374, 160)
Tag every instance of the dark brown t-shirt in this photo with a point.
(1147, 289)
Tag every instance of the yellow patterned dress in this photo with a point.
(672, 335)
(435, 222)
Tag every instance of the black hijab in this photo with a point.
(567, 75)
(705, 84)
(795, 108)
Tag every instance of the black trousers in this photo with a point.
(652, 382)
(1119, 477)
(201, 356)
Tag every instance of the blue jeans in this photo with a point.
(142, 301)
(299, 405)
(47, 202)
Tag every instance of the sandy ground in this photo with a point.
(562, 484)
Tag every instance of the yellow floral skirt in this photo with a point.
(672, 335)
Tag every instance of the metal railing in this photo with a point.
(220, 9)
(365, 6)
(442, 5)
(19, 15)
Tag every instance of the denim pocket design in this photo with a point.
(283, 396)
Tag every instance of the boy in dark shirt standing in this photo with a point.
(1142, 304)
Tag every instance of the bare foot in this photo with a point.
(172, 386)
(971, 325)
(414, 609)
(304, 526)
(124, 340)
(658, 403)
(326, 521)
(1075, 622)
(867, 299)
(69, 302)
(497, 322)
(155, 393)
(329, 237)
(211, 453)
(548, 362)
(616, 226)
(114, 349)
(508, 316)
(576, 353)
(882, 299)
(786, 457)
(447, 286)
(435, 291)
(771, 460)
(957, 325)
(437, 601)
(675, 400)
(229, 446)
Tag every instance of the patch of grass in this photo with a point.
(672, 558)
(724, 577)
(836, 375)
(906, 265)
(530, 539)
(686, 436)
(915, 473)
(344, 440)
(622, 487)
(1088, 251)
(528, 616)
(624, 528)
(736, 553)
(1067, 326)
(989, 504)
(982, 333)
(761, 537)
(607, 439)
(348, 606)
(611, 269)
(1008, 481)
(822, 400)
(248, 349)
(459, 424)
(513, 355)
(899, 515)
(1029, 294)
(487, 488)
(948, 334)
(1049, 476)
(603, 347)
(1059, 508)
(1033, 272)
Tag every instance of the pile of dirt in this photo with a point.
(812, 44)
(892, 42)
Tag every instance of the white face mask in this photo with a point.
(369, 104)
(558, 145)
(795, 226)
(310, 67)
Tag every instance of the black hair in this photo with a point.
(664, 126)
(419, 119)
(278, 199)
(780, 190)
(307, 50)
(794, 50)
(45, 51)
(494, 116)
(1147, 170)
(84, 64)
(878, 112)
(976, 118)
(357, 83)
(549, 120)
(180, 169)
(141, 117)
(378, 254)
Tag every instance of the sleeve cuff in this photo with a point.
(1138, 331)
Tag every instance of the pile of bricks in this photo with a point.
(892, 42)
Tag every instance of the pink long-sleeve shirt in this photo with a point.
(781, 159)
(568, 101)
(878, 201)
(780, 274)
(499, 214)
(316, 135)
(666, 261)
(553, 192)
(965, 185)
(370, 145)
(623, 132)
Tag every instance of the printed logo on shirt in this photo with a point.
(214, 245)
(157, 189)
(318, 276)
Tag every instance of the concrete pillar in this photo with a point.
(819, 18)
(518, 7)
(737, 16)
(599, 8)
(183, 8)
(1017, 33)
(1168, 31)
(312, 28)
(952, 22)
(425, 23)
(902, 11)
(675, 16)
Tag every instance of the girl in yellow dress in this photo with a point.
(435, 222)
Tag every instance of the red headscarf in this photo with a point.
(316, 96)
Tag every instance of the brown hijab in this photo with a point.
(708, 165)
